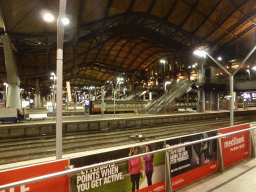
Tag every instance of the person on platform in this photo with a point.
(148, 165)
(135, 167)
(19, 113)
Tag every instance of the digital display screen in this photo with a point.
(247, 95)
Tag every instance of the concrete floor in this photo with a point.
(240, 177)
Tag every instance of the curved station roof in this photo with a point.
(107, 37)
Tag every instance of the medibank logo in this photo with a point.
(234, 141)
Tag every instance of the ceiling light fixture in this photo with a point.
(48, 17)
(65, 21)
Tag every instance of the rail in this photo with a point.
(77, 170)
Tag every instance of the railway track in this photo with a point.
(21, 149)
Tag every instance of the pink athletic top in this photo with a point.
(135, 166)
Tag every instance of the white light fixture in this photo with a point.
(219, 58)
(162, 61)
(65, 21)
(48, 17)
(254, 68)
(200, 53)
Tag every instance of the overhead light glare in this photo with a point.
(200, 53)
(65, 21)
(219, 58)
(48, 17)
(162, 61)
(254, 68)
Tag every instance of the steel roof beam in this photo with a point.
(170, 11)
(118, 40)
(142, 63)
(193, 8)
(237, 24)
(154, 60)
(135, 45)
(224, 20)
(207, 17)
(130, 8)
(143, 52)
(151, 6)
(239, 35)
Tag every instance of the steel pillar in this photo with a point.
(13, 95)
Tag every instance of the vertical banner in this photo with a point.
(194, 161)
(235, 147)
(142, 174)
(59, 184)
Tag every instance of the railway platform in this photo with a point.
(79, 123)
(236, 178)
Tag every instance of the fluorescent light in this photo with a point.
(48, 17)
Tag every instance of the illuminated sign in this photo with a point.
(247, 95)
(254, 96)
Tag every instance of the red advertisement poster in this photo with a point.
(59, 184)
(193, 175)
(235, 147)
(194, 161)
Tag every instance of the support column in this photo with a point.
(201, 101)
(13, 95)
(150, 96)
(213, 77)
(68, 91)
(37, 96)
(144, 97)
(218, 101)
(4, 95)
(102, 100)
(200, 74)
(214, 101)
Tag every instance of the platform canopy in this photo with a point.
(107, 37)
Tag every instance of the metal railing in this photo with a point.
(167, 169)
